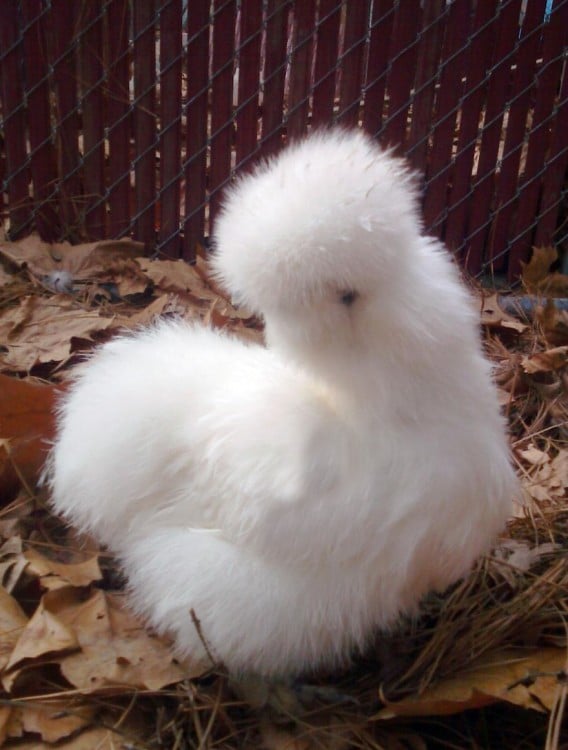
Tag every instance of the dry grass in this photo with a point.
(517, 598)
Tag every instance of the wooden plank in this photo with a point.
(547, 85)
(499, 88)
(221, 100)
(196, 145)
(481, 43)
(351, 72)
(517, 117)
(63, 51)
(170, 125)
(42, 154)
(62, 48)
(434, 19)
(382, 20)
(327, 41)
(452, 66)
(249, 81)
(556, 166)
(301, 68)
(118, 117)
(18, 174)
(277, 12)
(92, 73)
(145, 122)
(402, 67)
(2, 169)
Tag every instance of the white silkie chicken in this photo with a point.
(297, 497)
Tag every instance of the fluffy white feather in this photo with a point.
(296, 497)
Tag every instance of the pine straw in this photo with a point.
(497, 606)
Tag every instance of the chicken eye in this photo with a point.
(348, 298)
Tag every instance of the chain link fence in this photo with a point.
(127, 117)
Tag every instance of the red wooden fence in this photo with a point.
(129, 118)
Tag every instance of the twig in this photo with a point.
(197, 624)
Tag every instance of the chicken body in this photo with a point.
(297, 497)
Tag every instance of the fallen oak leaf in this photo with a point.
(126, 279)
(546, 478)
(338, 735)
(553, 321)
(12, 622)
(192, 283)
(493, 315)
(548, 361)
(165, 304)
(175, 276)
(45, 633)
(537, 277)
(512, 676)
(17, 255)
(55, 574)
(39, 330)
(84, 262)
(536, 271)
(96, 738)
(5, 277)
(556, 285)
(115, 649)
(521, 556)
(534, 455)
(559, 468)
(52, 721)
(12, 562)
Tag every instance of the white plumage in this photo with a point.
(296, 497)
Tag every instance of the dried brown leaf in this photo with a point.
(83, 262)
(165, 304)
(56, 574)
(98, 739)
(12, 622)
(51, 721)
(555, 285)
(546, 478)
(115, 648)
(337, 735)
(12, 562)
(559, 469)
(127, 277)
(492, 316)
(192, 283)
(536, 271)
(548, 361)
(40, 329)
(521, 556)
(45, 633)
(525, 679)
(176, 276)
(5, 277)
(554, 323)
(91, 739)
(534, 455)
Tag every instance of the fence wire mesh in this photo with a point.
(129, 118)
